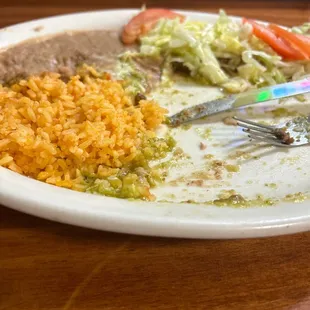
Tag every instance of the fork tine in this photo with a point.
(252, 123)
(268, 140)
(262, 134)
(254, 128)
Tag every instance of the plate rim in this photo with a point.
(162, 226)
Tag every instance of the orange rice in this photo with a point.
(52, 130)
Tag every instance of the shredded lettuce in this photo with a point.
(303, 29)
(225, 54)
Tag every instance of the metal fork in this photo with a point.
(295, 132)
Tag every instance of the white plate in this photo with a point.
(169, 219)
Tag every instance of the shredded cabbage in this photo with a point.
(224, 54)
(303, 29)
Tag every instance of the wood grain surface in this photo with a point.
(46, 265)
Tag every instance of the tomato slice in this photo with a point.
(144, 22)
(298, 42)
(277, 44)
(302, 37)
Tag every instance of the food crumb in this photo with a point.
(241, 155)
(202, 146)
(38, 28)
(297, 197)
(284, 136)
(271, 185)
(282, 112)
(230, 121)
(205, 133)
(138, 98)
(208, 156)
(198, 183)
(289, 160)
(225, 194)
(232, 168)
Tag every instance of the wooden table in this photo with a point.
(46, 265)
